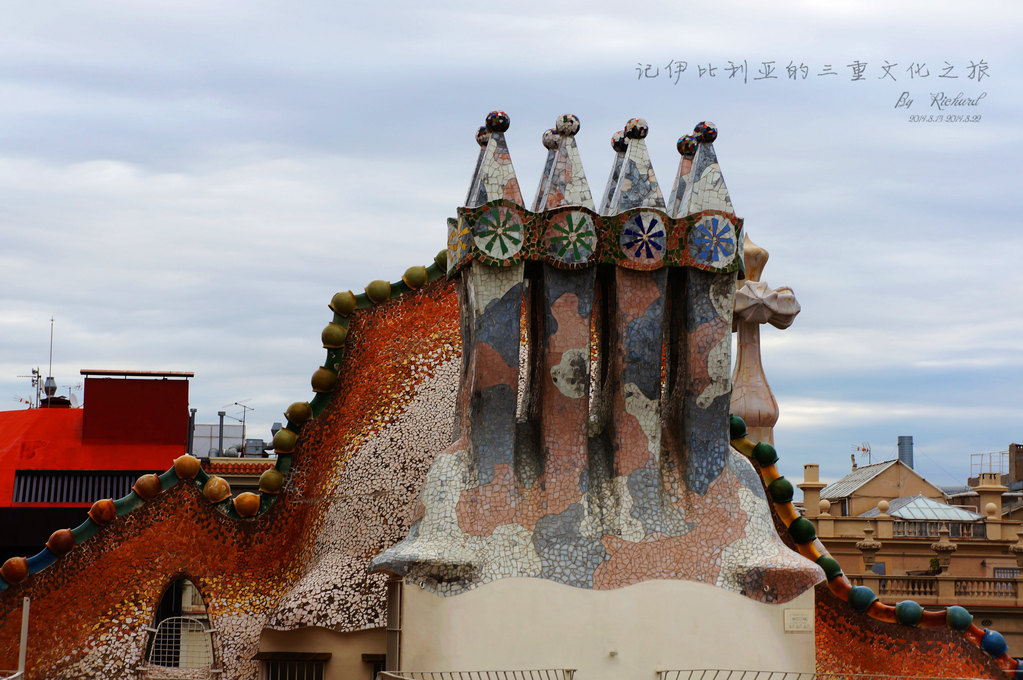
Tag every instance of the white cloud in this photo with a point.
(185, 186)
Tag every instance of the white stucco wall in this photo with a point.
(626, 633)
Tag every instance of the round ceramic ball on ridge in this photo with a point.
(323, 380)
(705, 132)
(498, 121)
(343, 303)
(636, 128)
(958, 618)
(284, 441)
(378, 291)
(482, 135)
(993, 643)
(550, 139)
(15, 570)
(271, 481)
(687, 145)
(299, 412)
(567, 124)
(147, 486)
(246, 504)
(103, 511)
(61, 542)
(333, 335)
(618, 141)
(186, 466)
(216, 489)
(415, 277)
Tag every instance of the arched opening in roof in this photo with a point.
(180, 642)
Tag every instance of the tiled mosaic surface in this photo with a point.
(881, 638)
(602, 485)
(351, 492)
(575, 480)
(501, 233)
(848, 642)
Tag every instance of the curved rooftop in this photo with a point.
(925, 509)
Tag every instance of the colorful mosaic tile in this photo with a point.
(619, 145)
(503, 234)
(574, 481)
(551, 419)
(300, 563)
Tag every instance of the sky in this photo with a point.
(184, 185)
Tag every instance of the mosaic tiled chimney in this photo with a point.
(594, 396)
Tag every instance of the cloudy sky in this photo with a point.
(184, 185)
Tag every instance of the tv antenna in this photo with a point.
(245, 412)
(863, 448)
(34, 401)
(50, 385)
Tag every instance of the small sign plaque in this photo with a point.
(798, 620)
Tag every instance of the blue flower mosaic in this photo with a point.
(712, 241)
(572, 240)
(499, 233)
(643, 237)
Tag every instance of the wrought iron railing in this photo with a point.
(181, 648)
(533, 674)
(718, 674)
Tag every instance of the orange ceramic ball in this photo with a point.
(147, 486)
(186, 466)
(216, 489)
(15, 570)
(246, 504)
(103, 511)
(61, 542)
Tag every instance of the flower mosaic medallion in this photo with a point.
(571, 237)
(499, 233)
(712, 241)
(459, 235)
(643, 238)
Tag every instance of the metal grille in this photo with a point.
(716, 674)
(72, 486)
(293, 670)
(541, 674)
(181, 648)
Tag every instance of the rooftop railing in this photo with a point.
(534, 674)
(942, 589)
(718, 674)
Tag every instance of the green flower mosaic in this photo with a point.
(499, 233)
(574, 240)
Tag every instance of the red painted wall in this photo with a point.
(137, 411)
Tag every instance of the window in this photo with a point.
(72, 486)
(376, 663)
(293, 665)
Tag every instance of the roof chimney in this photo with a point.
(906, 450)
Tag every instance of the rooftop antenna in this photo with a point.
(34, 402)
(863, 448)
(245, 412)
(50, 386)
